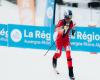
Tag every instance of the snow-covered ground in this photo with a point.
(30, 64)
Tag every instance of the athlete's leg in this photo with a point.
(69, 61)
(57, 54)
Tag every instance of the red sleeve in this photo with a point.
(71, 25)
(60, 23)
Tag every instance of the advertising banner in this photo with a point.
(29, 37)
(48, 21)
(3, 35)
(26, 11)
(86, 39)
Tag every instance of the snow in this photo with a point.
(30, 64)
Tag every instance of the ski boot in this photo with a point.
(72, 78)
(71, 74)
(54, 63)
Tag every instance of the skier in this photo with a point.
(61, 37)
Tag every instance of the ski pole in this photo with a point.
(64, 34)
(49, 49)
(53, 44)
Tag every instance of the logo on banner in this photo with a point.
(89, 37)
(50, 12)
(4, 33)
(16, 35)
(86, 39)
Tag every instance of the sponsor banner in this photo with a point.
(48, 21)
(26, 11)
(3, 35)
(29, 36)
(86, 39)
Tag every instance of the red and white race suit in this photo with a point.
(63, 41)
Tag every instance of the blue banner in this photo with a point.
(48, 21)
(3, 35)
(86, 39)
(29, 36)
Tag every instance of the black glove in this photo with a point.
(64, 34)
(73, 32)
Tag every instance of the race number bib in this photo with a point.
(66, 28)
